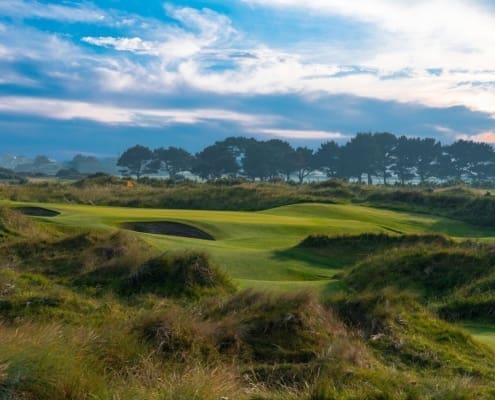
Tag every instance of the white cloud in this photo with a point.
(203, 50)
(420, 36)
(200, 31)
(113, 115)
(13, 78)
(421, 33)
(5, 53)
(461, 26)
(22, 42)
(210, 25)
(34, 9)
(301, 134)
(176, 48)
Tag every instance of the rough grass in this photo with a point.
(404, 335)
(349, 249)
(455, 202)
(461, 202)
(285, 328)
(250, 326)
(186, 273)
(77, 255)
(27, 295)
(104, 190)
(13, 223)
(41, 363)
(433, 272)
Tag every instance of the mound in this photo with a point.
(292, 328)
(32, 296)
(187, 273)
(37, 211)
(473, 302)
(99, 179)
(346, 250)
(168, 228)
(371, 241)
(14, 223)
(252, 326)
(77, 256)
(432, 272)
(407, 336)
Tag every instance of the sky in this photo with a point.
(98, 76)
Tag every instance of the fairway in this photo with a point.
(253, 247)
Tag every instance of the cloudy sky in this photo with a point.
(98, 76)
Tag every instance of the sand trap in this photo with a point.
(168, 228)
(37, 211)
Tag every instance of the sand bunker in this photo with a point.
(168, 228)
(37, 211)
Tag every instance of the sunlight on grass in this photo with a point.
(253, 247)
(485, 333)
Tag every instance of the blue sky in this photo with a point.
(99, 76)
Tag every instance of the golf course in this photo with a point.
(273, 304)
(258, 249)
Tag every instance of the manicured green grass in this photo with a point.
(485, 333)
(255, 247)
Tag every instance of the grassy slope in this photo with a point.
(254, 247)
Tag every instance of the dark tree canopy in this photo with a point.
(405, 160)
(327, 159)
(215, 161)
(370, 155)
(258, 162)
(467, 159)
(268, 160)
(386, 144)
(303, 161)
(138, 160)
(85, 164)
(174, 160)
(359, 157)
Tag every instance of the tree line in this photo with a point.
(370, 157)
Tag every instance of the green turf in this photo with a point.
(255, 248)
(485, 333)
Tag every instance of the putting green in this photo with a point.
(253, 246)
